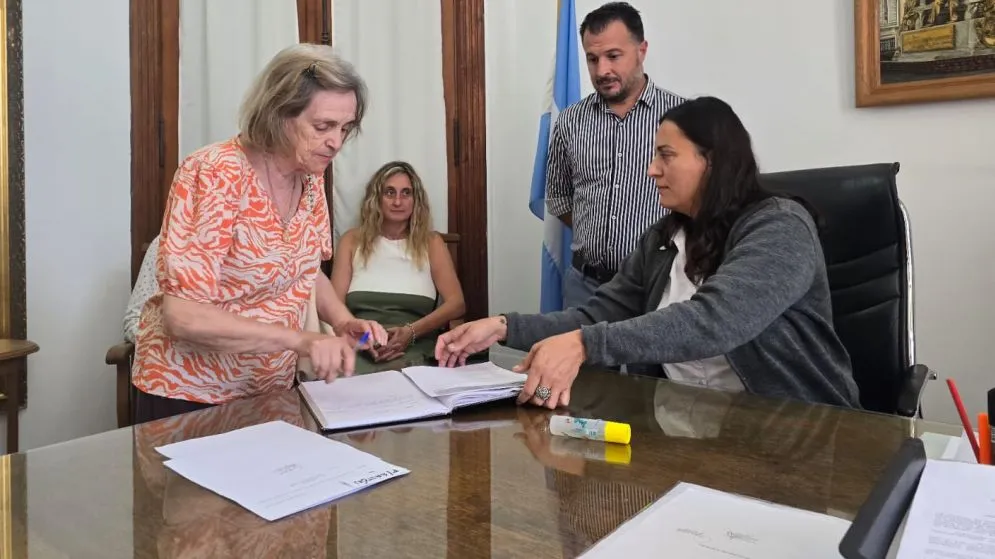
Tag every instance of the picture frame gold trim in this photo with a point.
(11, 226)
(13, 300)
(870, 91)
(13, 322)
(5, 240)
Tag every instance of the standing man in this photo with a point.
(601, 147)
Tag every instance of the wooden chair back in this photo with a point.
(452, 241)
(121, 356)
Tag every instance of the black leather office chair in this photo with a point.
(866, 240)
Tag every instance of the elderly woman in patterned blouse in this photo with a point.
(245, 229)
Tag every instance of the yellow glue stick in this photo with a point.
(592, 429)
(612, 453)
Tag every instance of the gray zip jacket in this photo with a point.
(766, 308)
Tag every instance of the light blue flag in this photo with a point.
(563, 91)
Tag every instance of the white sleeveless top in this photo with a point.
(713, 372)
(391, 270)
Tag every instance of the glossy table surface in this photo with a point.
(487, 482)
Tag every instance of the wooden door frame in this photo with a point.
(466, 144)
(155, 138)
(149, 167)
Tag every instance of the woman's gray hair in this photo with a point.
(284, 89)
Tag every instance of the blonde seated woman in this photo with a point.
(396, 270)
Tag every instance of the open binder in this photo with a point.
(413, 393)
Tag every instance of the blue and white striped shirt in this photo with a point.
(597, 171)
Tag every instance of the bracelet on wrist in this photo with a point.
(414, 336)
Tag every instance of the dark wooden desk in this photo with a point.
(12, 362)
(487, 483)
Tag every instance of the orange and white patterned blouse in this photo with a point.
(223, 243)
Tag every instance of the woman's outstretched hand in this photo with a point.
(330, 356)
(454, 347)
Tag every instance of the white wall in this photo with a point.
(214, 76)
(78, 208)
(793, 86)
(397, 48)
(516, 74)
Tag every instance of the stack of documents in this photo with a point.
(952, 514)
(406, 395)
(276, 469)
(694, 522)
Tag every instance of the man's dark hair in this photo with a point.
(598, 20)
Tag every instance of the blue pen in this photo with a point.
(363, 339)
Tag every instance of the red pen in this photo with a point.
(968, 425)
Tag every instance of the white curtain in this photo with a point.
(397, 48)
(223, 45)
(520, 40)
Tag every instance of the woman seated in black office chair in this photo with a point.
(728, 291)
(395, 268)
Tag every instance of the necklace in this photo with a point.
(288, 214)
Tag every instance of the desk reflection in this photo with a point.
(175, 518)
(487, 482)
(781, 451)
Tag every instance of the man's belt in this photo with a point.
(597, 273)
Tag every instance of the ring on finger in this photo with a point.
(543, 393)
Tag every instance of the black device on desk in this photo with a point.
(991, 417)
(874, 528)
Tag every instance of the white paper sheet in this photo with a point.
(694, 522)
(277, 469)
(946, 447)
(961, 450)
(937, 445)
(372, 399)
(221, 442)
(441, 381)
(952, 514)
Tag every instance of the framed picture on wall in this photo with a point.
(916, 51)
